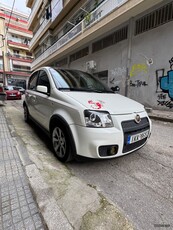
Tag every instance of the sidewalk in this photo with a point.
(18, 210)
(166, 116)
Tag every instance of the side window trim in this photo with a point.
(33, 76)
(48, 82)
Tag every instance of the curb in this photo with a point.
(159, 118)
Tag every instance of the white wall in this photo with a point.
(156, 45)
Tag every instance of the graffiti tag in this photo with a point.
(138, 83)
(162, 100)
(138, 68)
(166, 83)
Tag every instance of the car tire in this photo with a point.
(26, 114)
(61, 143)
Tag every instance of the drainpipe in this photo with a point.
(129, 54)
(4, 72)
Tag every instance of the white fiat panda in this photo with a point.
(82, 116)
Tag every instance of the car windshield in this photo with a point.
(8, 88)
(75, 80)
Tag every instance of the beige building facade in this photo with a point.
(15, 57)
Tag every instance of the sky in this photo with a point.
(19, 5)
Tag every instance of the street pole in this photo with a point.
(129, 56)
(4, 74)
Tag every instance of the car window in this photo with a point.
(58, 79)
(8, 88)
(43, 79)
(33, 81)
(77, 80)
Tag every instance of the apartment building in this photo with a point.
(125, 43)
(15, 57)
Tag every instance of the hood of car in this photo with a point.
(113, 103)
(12, 91)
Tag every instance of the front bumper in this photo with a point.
(89, 141)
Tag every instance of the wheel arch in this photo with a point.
(59, 119)
(24, 103)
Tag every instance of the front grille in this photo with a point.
(132, 128)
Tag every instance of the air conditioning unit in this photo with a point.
(90, 65)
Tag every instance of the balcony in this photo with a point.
(29, 3)
(18, 45)
(21, 58)
(18, 73)
(12, 28)
(34, 10)
(43, 28)
(22, 69)
(92, 18)
(61, 42)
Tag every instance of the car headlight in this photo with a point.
(98, 119)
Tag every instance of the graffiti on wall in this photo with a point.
(164, 101)
(138, 83)
(117, 77)
(136, 70)
(116, 72)
(165, 82)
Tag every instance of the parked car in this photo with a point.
(83, 116)
(20, 89)
(12, 93)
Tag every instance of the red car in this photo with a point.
(12, 94)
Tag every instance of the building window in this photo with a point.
(1, 64)
(111, 39)
(79, 54)
(21, 68)
(61, 62)
(16, 53)
(154, 19)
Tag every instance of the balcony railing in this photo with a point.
(39, 31)
(95, 16)
(22, 57)
(100, 12)
(36, 6)
(12, 43)
(61, 42)
(21, 70)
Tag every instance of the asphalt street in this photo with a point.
(140, 184)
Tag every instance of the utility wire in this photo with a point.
(9, 18)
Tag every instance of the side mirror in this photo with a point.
(115, 89)
(42, 89)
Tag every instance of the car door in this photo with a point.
(42, 107)
(30, 96)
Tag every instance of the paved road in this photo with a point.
(140, 183)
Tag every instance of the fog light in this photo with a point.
(113, 150)
(109, 150)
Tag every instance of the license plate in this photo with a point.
(12, 95)
(137, 137)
